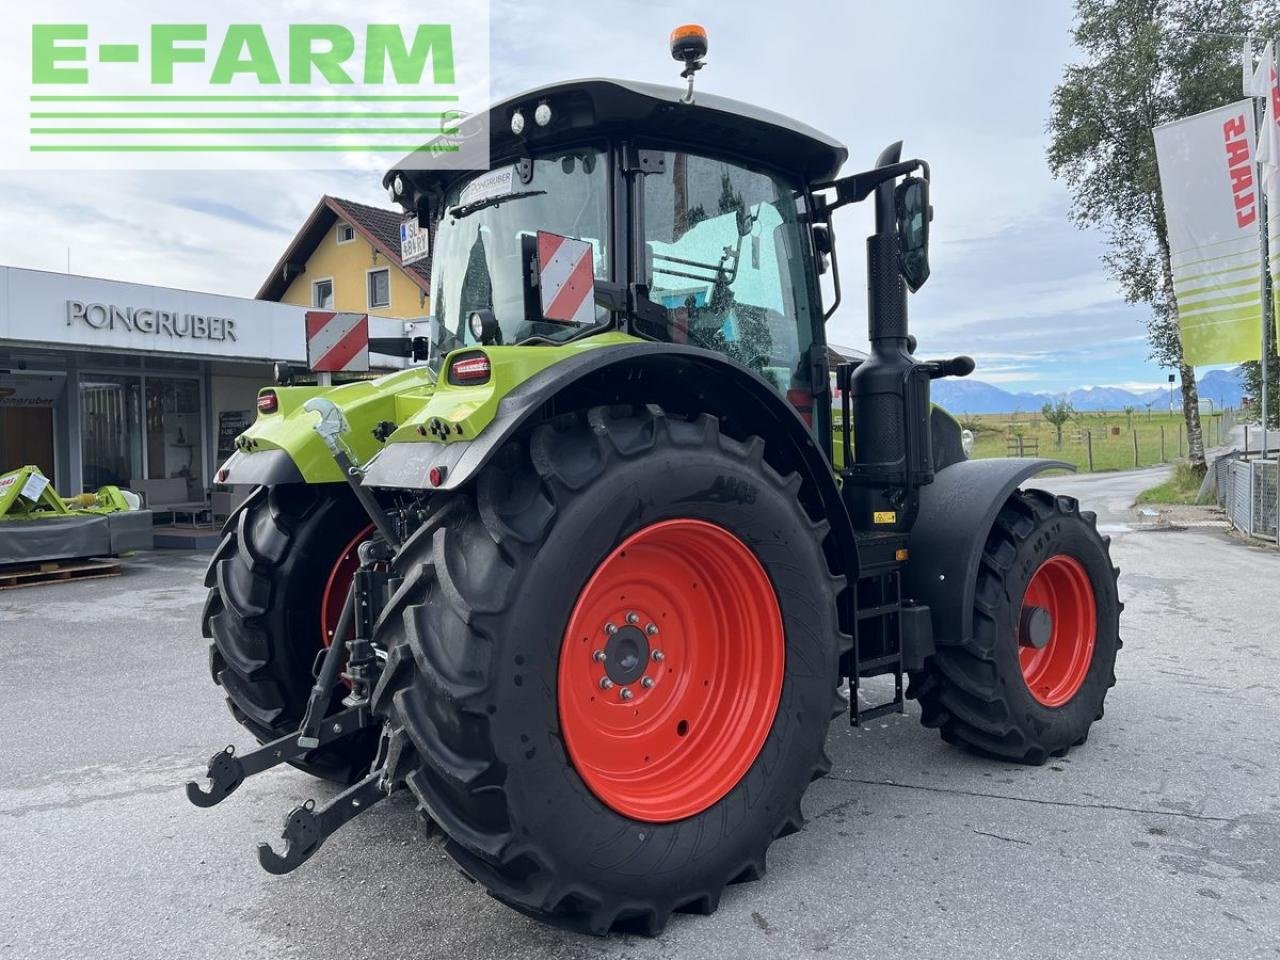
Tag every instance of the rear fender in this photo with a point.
(945, 546)
(682, 380)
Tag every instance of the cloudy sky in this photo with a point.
(966, 83)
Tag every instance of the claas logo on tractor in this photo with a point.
(584, 583)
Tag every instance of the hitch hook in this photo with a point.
(306, 828)
(225, 774)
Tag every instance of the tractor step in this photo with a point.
(877, 643)
(867, 714)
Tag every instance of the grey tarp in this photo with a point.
(73, 537)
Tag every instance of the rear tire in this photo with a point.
(474, 690)
(263, 613)
(979, 693)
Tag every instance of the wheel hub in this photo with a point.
(1035, 628)
(626, 655)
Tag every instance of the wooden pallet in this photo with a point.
(32, 575)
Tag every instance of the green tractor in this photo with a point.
(589, 585)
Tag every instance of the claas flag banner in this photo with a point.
(1207, 176)
(1265, 82)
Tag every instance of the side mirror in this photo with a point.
(911, 202)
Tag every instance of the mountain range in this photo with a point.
(1223, 387)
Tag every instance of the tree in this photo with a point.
(1128, 416)
(1253, 387)
(1146, 62)
(1058, 413)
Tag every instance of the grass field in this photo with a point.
(1110, 435)
(1182, 487)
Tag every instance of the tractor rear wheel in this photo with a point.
(1031, 680)
(277, 584)
(611, 668)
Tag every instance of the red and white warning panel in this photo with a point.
(337, 342)
(566, 279)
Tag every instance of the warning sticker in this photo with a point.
(884, 516)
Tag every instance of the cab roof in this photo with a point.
(645, 111)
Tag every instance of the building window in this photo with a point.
(346, 233)
(379, 288)
(322, 294)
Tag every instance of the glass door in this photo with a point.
(111, 429)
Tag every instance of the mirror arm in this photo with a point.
(835, 267)
(858, 186)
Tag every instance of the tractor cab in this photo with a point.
(693, 221)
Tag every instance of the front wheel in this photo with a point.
(612, 666)
(1031, 679)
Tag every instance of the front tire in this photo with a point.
(498, 717)
(1031, 680)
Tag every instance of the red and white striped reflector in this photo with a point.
(566, 279)
(337, 342)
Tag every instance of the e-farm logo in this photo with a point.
(106, 91)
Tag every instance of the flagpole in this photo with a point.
(1264, 245)
(1260, 118)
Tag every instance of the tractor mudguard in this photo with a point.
(265, 468)
(680, 379)
(956, 514)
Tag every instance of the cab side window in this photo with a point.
(723, 254)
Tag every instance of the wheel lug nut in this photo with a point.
(606, 683)
(610, 629)
(651, 629)
(647, 682)
(625, 693)
(633, 618)
(658, 656)
(599, 656)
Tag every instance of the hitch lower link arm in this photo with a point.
(227, 770)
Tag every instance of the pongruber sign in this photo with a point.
(1207, 176)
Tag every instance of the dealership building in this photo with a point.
(108, 382)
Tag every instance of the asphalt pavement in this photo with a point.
(1160, 838)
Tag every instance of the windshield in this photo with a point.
(477, 247)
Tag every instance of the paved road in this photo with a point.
(1159, 839)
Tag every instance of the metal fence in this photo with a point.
(1247, 489)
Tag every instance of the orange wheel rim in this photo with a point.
(1057, 630)
(671, 670)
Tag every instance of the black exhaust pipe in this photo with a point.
(890, 389)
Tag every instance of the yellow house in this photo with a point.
(346, 257)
